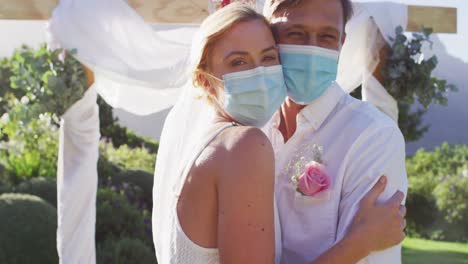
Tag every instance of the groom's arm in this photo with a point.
(378, 151)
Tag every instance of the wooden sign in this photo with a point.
(154, 11)
(26, 9)
(440, 19)
(172, 11)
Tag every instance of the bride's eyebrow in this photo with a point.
(238, 53)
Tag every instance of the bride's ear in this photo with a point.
(207, 84)
(204, 81)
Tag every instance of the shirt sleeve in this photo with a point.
(77, 181)
(378, 151)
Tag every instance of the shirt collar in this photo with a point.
(317, 112)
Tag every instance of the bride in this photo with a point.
(214, 181)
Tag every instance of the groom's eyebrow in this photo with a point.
(269, 49)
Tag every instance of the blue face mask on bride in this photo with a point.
(252, 97)
(308, 71)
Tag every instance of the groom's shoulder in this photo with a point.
(363, 117)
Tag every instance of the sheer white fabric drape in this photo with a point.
(136, 68)
(140, 68)
(372, 25)
(77, 181)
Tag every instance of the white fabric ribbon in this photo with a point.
(136, 67)
(372, 25)
(77, 181)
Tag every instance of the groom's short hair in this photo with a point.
(274, 5)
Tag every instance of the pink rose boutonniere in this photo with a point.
(313, 180)
(309, 174)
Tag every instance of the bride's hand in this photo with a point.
(379, 226)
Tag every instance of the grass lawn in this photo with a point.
(419, 251)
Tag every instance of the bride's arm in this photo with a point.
(246, 232)
(375, 227)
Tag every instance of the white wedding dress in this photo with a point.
(172, 245)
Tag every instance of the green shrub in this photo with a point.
(408, 77)
(32, 146)
(142, 179)
(5, 189)
(111, 129)
(117, 218)
(4, 178)
(135, 141)
(127, 158)
(27, 230)
(51, 82)
(438, 193)
(452, 201)
(124, 251)
(45, 188)
(106, 169)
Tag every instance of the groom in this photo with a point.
(359, 143)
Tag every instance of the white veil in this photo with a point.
(369, 29)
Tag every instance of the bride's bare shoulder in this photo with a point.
(240, 148)
(242, 140)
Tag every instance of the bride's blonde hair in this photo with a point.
(212, 30)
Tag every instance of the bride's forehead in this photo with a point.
(248, 35)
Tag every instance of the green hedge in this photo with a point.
(118, 135)
(45, 188)
(31, 147)
(36, 87)
(142, 179)
(27, 230)
(127, 158)
(438, 193)
(125, 251)
(117, 218)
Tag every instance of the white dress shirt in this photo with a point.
(359, 145)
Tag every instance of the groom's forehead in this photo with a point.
(333, 9)
(309, 14)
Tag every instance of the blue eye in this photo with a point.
(269, 58)
(238, 63)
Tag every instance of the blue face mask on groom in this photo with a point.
(308, 71)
